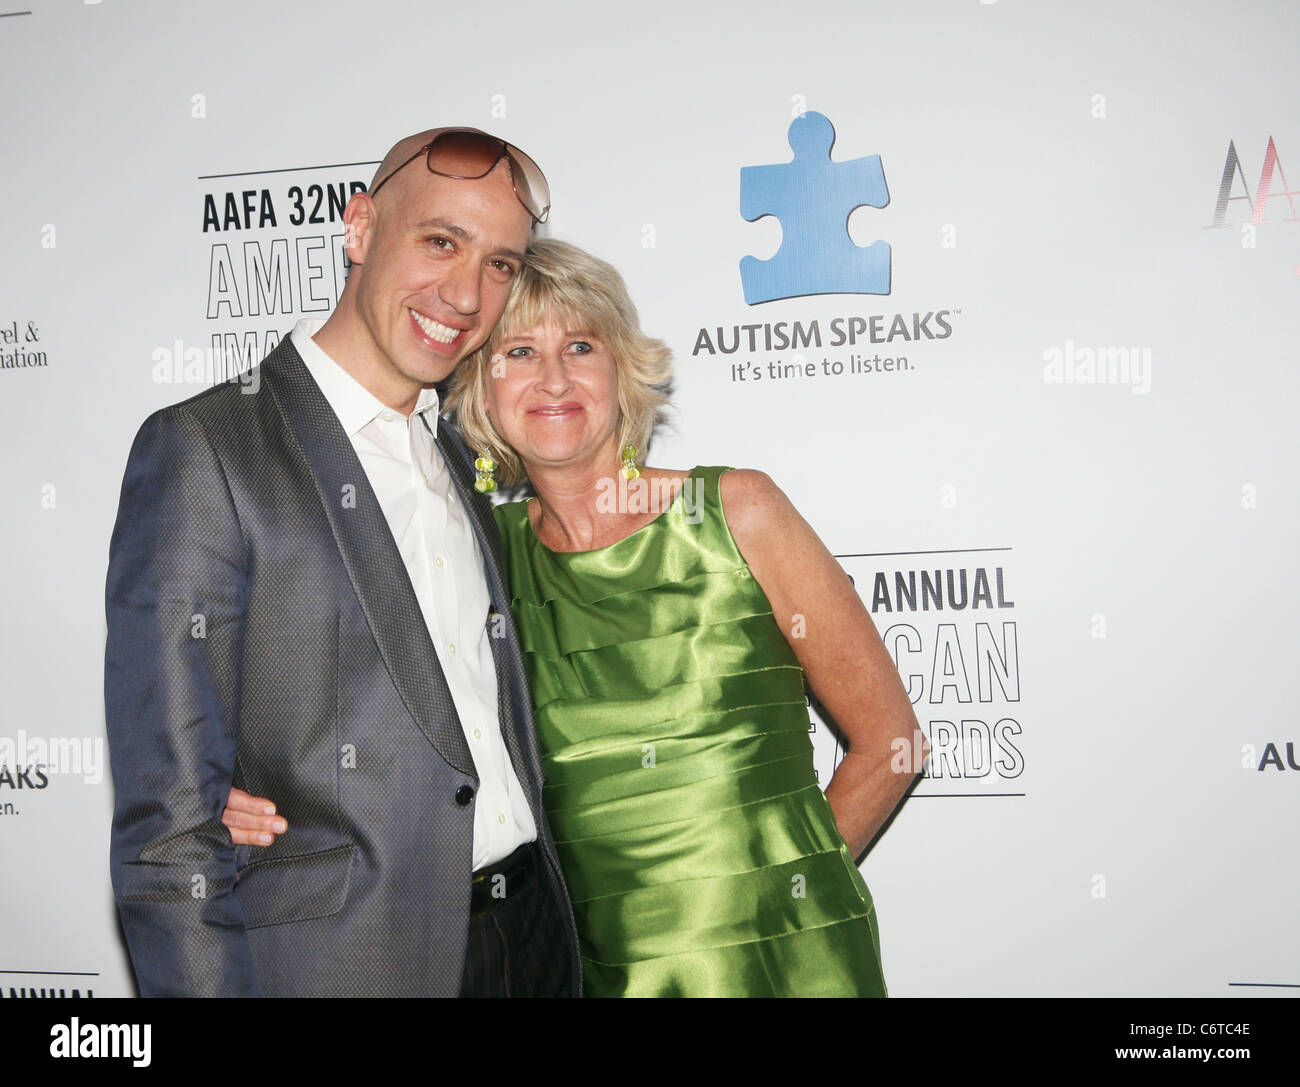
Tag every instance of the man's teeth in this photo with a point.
(434, 330)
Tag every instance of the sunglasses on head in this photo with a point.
(467, 154)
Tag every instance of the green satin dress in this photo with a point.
(701, 855)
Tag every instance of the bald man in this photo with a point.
(305, 601)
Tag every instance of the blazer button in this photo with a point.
(464, 795)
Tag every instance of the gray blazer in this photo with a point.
(262, 632)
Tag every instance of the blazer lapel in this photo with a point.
(514, 698)
(456, 456)
(370, 555)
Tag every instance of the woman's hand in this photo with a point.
(836, 642)
(251, 820)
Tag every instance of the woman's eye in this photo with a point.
(518, 352)
(580, 347)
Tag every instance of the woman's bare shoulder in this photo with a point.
(754, 507)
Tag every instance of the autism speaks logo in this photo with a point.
(803, 343)
(813, 196)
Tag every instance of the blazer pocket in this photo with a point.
(273, 892)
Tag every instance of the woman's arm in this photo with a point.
(836, 642)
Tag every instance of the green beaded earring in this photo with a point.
(484, 466)
(629, 469)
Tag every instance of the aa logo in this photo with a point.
(1272, 185)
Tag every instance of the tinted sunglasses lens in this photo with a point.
(469, 155)
(464, 155)
(530, 184)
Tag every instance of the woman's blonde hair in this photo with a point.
(562, 283)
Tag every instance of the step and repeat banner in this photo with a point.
(1004, 296)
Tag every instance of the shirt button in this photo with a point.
(389, 417)
(478, 734)
(438, 562)
(451, 648)
(501, 817)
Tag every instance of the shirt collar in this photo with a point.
(354, 404)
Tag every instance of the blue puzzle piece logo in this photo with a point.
(813, 197)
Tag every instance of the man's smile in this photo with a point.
(435, 330)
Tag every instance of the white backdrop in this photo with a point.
(1105, 817)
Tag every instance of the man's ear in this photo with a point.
(358, 225)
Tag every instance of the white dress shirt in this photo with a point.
(438, 547)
